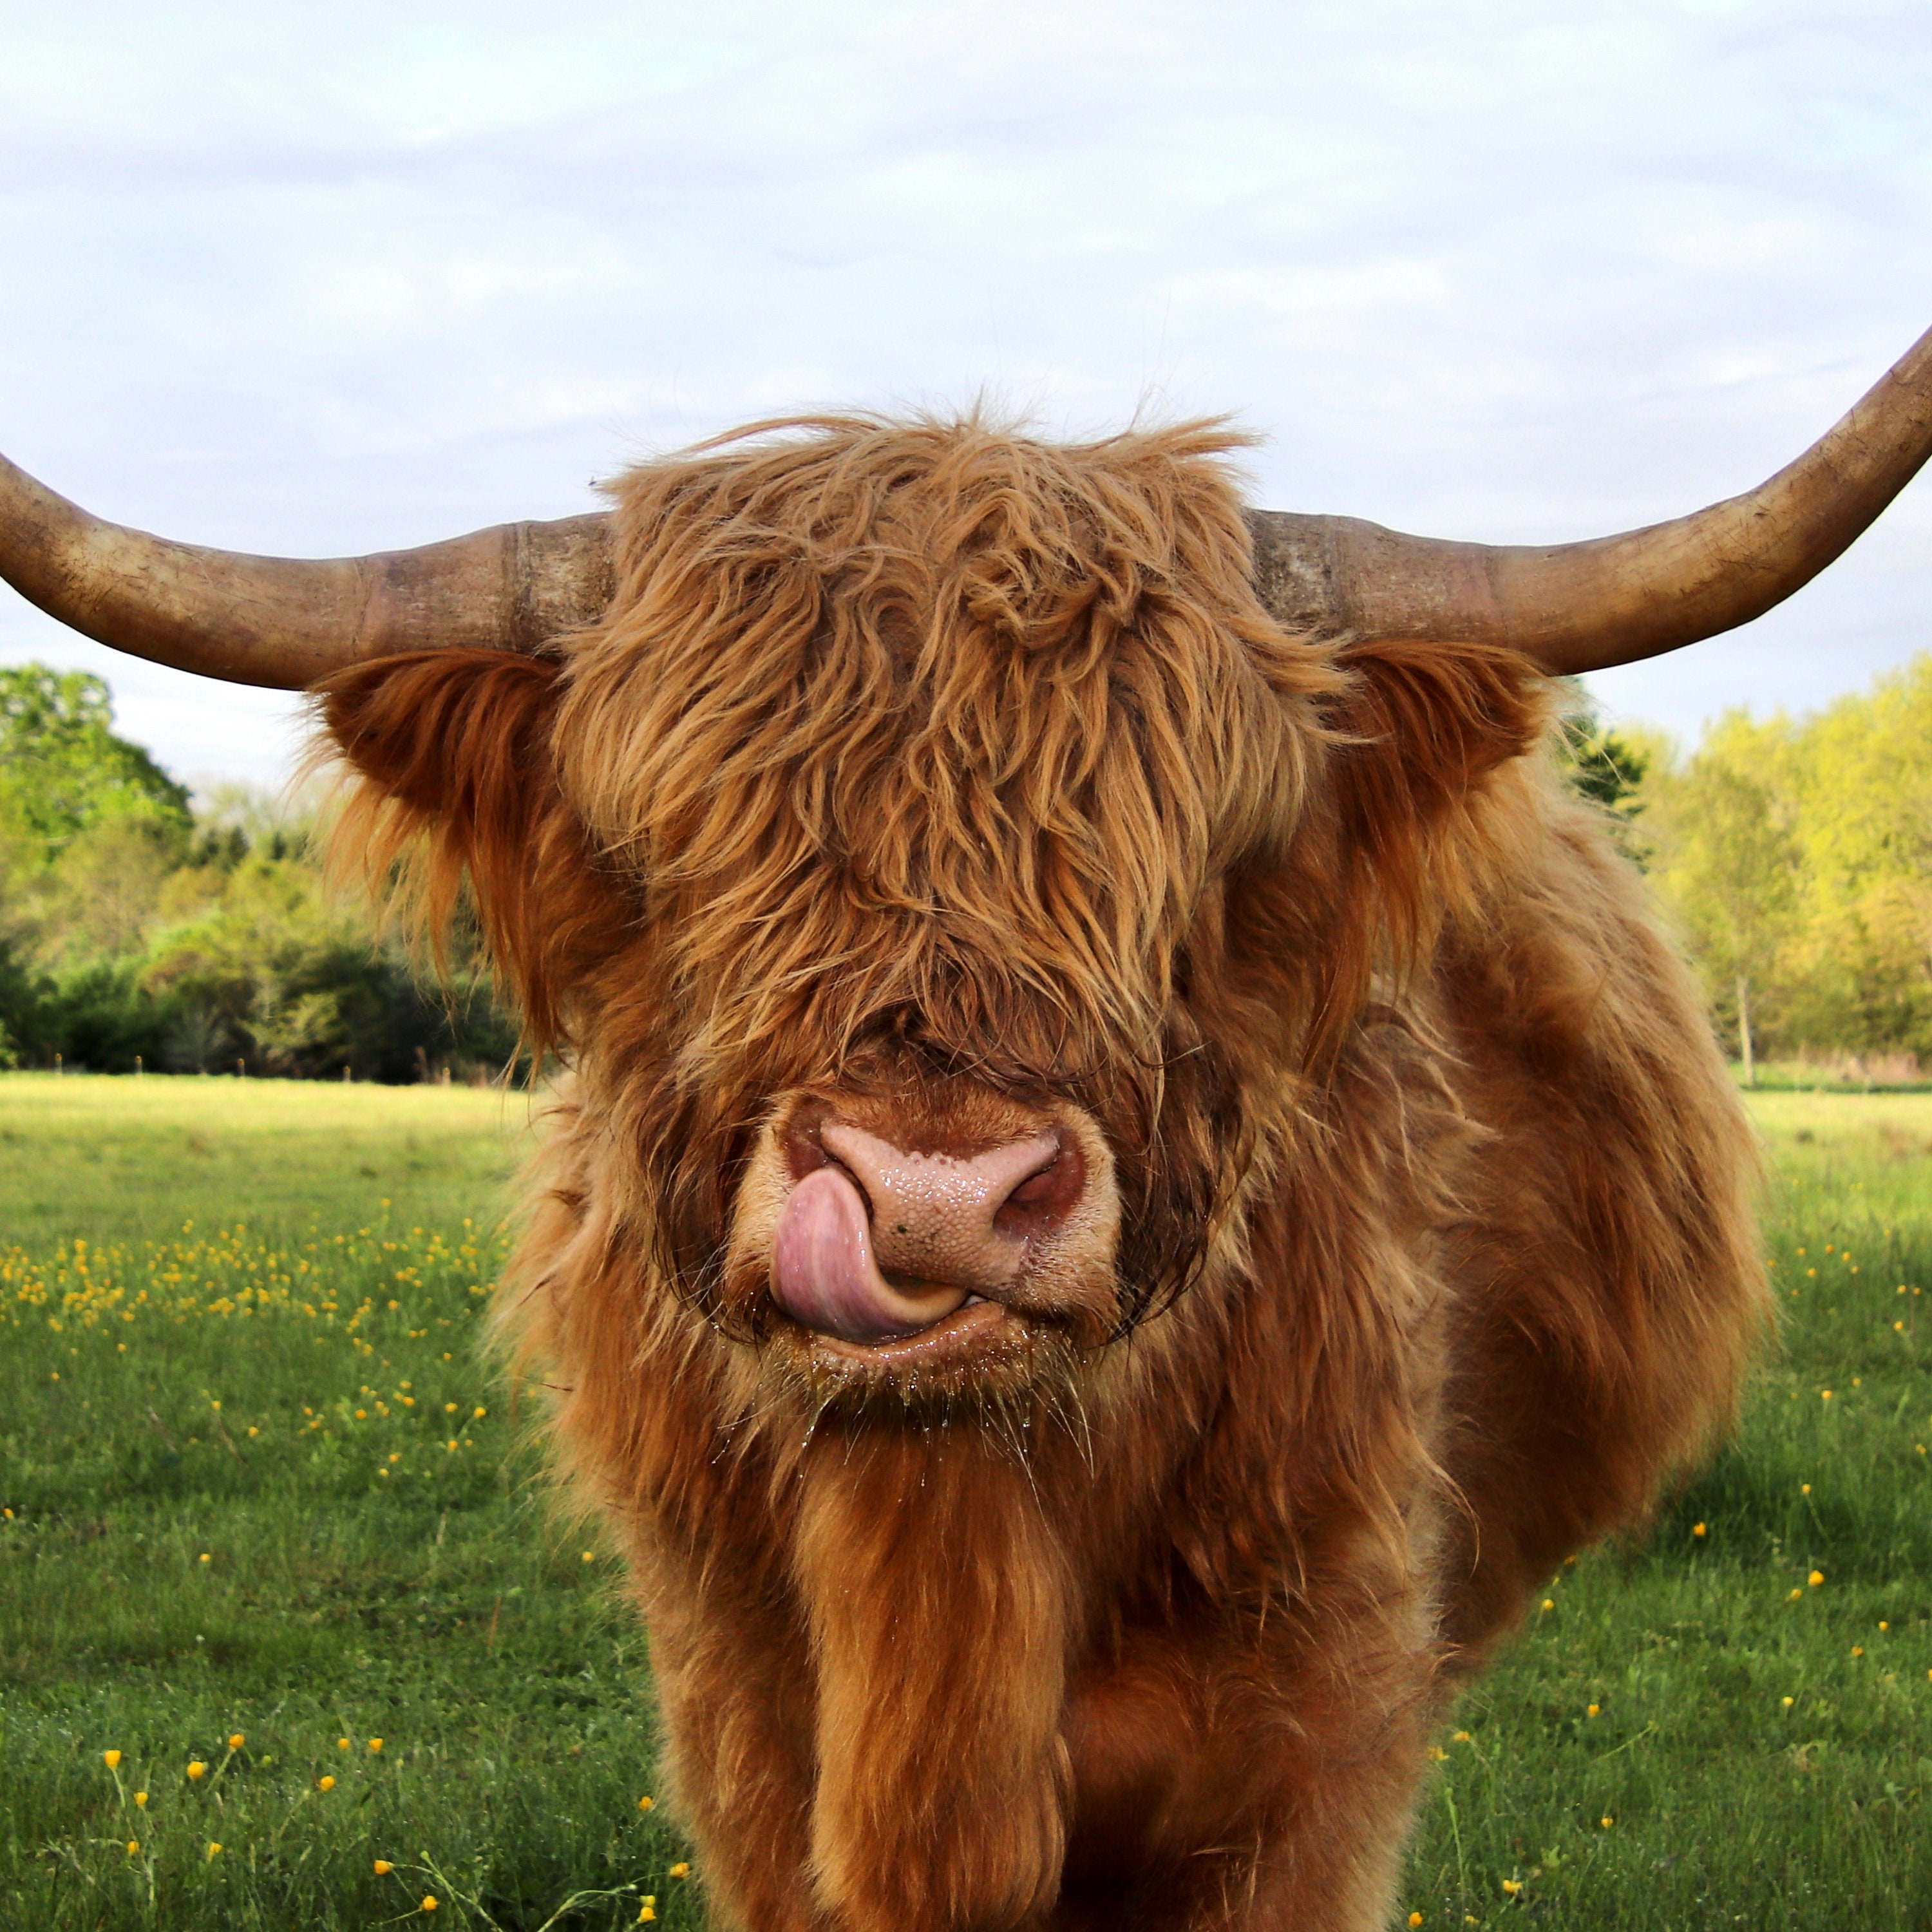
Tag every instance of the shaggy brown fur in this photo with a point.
(929, 770)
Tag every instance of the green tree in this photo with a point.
(62, 768)
(1727, 856)
(270, 974)
(132, 932)
(1863, 781)
(1606, 767)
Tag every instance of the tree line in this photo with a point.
(139, 927)
(1795, 853)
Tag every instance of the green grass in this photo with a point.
(104, 1160)
(1762, 1744)
(326, 1251)
(232, 1511)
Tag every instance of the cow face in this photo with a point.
(914, 862)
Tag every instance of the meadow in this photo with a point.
(291, 1634)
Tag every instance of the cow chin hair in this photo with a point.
(1045, 1380)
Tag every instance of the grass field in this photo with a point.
(260, 1487)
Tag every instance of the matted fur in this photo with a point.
(919, 761)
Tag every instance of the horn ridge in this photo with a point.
(1608, 601)
(285, 623)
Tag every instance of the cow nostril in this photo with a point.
(1035, 1188)
(1044, 1196)
(858, 1181)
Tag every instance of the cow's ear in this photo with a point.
(1423, 728)
(456, 735)
(452, 750)
(1420, 812)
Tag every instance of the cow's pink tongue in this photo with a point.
(824, 1274)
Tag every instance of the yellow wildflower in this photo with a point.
(1593, 1710)
(1414, 1920)
(383, 1868)
(134, 1847)
(324, 1784)
(680, 1870)
(206, 1558)
(1697, 1529)
(1512, 1886)
(645, 1804)
(1787, 1701)
(429, 1897)
(1816, 1577)
(110, 1759)
(236, 1741)
(196, 1769)
(214, 1846)
(1608, 1822)
(342, 1744)
(140, 1798)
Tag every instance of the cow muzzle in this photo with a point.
(880, 1244)
(897, 1239)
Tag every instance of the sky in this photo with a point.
(314, 281)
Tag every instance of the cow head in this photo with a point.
(888, 859)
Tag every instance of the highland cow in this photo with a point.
(1135, 1173)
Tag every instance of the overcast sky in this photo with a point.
(313, 279)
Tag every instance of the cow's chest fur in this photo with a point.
(973, 1666)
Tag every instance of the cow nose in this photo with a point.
(880, 1244)
(959, 1220)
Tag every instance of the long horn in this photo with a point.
(1582, 606)
(285, 623)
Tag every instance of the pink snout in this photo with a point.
(879, 1244)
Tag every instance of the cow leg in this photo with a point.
(1328, 1865)
(737, 1712)
(1270, 1791)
